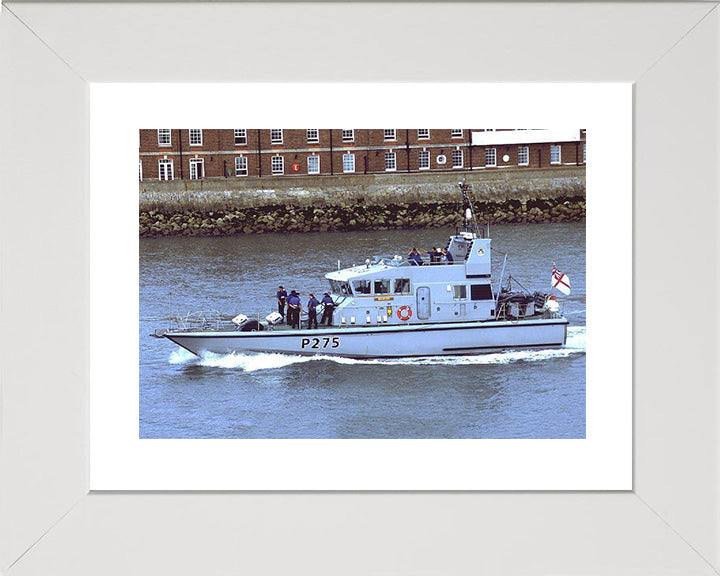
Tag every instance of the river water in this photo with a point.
(517, 394)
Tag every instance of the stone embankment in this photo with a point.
(358, 203)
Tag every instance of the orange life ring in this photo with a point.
(404, 312)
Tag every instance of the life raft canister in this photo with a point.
(404, 312)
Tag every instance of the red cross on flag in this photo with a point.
(560, 281)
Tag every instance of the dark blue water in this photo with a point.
(520, 394)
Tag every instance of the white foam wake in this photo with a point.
(252, 362)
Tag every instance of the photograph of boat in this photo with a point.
(362, 284)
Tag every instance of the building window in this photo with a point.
(241, 166)
(555, 154)
(276, 136)
(423, 133)
(523, 156)
(456, 133)
(240, 136)
(140, 170)
(197, 168)
(389, 134)
(165, 169)
(348, 162)
(457, 158)
(424, 160)
(490, 157)
(460, 292)
(277, 165)
(390, 162)
(584, 154)
(195, 136)
(313, 164)
(313, 135)
(348, 135)
(164, 137)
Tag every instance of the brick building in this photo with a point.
(195, 153)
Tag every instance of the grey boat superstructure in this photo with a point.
(391, 306)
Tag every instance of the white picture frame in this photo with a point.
(668, 523)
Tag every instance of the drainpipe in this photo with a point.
(181, 157)
(259, 154)
(331, 154)
(407, 147)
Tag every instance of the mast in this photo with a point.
(471, 224)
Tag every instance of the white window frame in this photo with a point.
(240, 134)
(424, 153)
(584, 153)
(389, 134)
(348, 135)
(315, 158)
(167, 162)
(238, 170)
(456, 132)
(140, 170)
(423, 133)
(351, 157)
(457, 153)
(313, 139)
(196, 131)
(276, 135)
(163, 132)
(392, 157)
(491, 152)
(527, 156)
(195, 162)
(556, 148)
(273, 160)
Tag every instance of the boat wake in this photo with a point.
(253, 362)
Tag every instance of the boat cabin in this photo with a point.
(396, 290)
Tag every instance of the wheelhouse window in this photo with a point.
(460, 292)
(423, 133)
(240, 136)
(424, 160)
(164, 138)
(480, 292)
(402, 286)
(313, 164)
(361, 286)
(389, 134)
(313, 135)
(277, 165)
(348, 162)
(342, 288)
(195, 136)
(490, 157)
(555, 154)
(241, 166)
(348, 135)
(382, 286)
(276, 136)
(523, 156)
(390, 162)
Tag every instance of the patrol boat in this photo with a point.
(393, 306)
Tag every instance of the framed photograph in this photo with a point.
(72, 267)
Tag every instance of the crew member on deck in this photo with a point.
(329, 309)
(313, 303)
(435, 255)
(448, 256)
(281, 296)
(293, 302)
(415, 257)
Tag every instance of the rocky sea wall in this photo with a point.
(213, 208)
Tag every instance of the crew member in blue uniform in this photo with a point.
(313, 303)
(435, 255)
(293, 302)
(329, 309)
(415, 257)
(448, 256)
(281, 296)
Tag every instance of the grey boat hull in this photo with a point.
(385, 341)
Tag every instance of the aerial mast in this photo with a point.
(469, 213)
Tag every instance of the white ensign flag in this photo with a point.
(560, 281)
